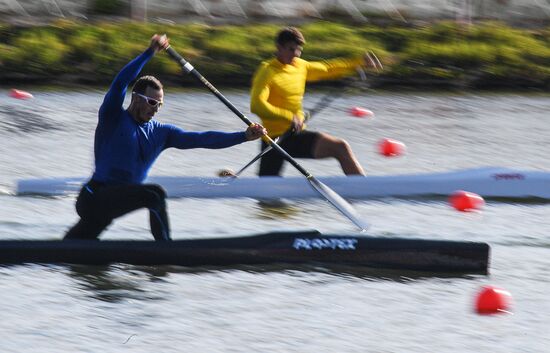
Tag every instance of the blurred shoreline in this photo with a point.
(441, 55)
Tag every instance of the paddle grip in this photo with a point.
(175, 55)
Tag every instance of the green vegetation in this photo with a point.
(444, 54)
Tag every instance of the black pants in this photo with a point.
(98, 204)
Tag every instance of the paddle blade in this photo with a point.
(338, 202)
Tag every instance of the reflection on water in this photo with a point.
(16, 120)
(116, 283)
(119, 283)
(274, 209)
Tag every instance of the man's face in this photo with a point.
(149, 103)
(288, 51)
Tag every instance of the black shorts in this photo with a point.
(300, 145)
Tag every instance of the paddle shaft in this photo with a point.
(258, 156)
(191, 70)
(336, 200)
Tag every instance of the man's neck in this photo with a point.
(132, 110)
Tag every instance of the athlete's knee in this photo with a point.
(156, 196)
(341, 148)
(157, 189)
(160, 190)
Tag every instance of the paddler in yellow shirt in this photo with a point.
(276, 97)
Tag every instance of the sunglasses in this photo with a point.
(151, 101)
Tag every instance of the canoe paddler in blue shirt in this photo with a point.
(127, 143)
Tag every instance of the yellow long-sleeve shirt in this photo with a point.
(278, 89)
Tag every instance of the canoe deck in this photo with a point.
(487, 182)
(310, 247)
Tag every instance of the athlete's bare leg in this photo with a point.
(328, 146)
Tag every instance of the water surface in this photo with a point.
(122, 308)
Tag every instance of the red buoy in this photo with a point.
(391, 148)
(466, 201)
(493, 300)
(361, 112)
(17, 94)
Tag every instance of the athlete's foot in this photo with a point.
(227, 173)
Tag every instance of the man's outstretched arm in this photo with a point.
(114, 98)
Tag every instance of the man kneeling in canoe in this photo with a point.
(276, 97)
(127, 143)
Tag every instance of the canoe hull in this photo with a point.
(286, 247)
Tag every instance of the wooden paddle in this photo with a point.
(336, 200)
(323, 103)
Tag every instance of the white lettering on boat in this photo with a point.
(509, 176)
(324, 243)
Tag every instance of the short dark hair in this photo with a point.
(146, 81)
(290, 34)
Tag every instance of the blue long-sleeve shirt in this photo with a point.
(125, 150)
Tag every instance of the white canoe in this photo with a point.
(487, 182)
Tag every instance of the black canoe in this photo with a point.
(308, 247)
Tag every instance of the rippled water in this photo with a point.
(123, 308)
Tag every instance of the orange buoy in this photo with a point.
(493, 300)
(361, 112)
(15, 93)
(466, 201)
(391, 148)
